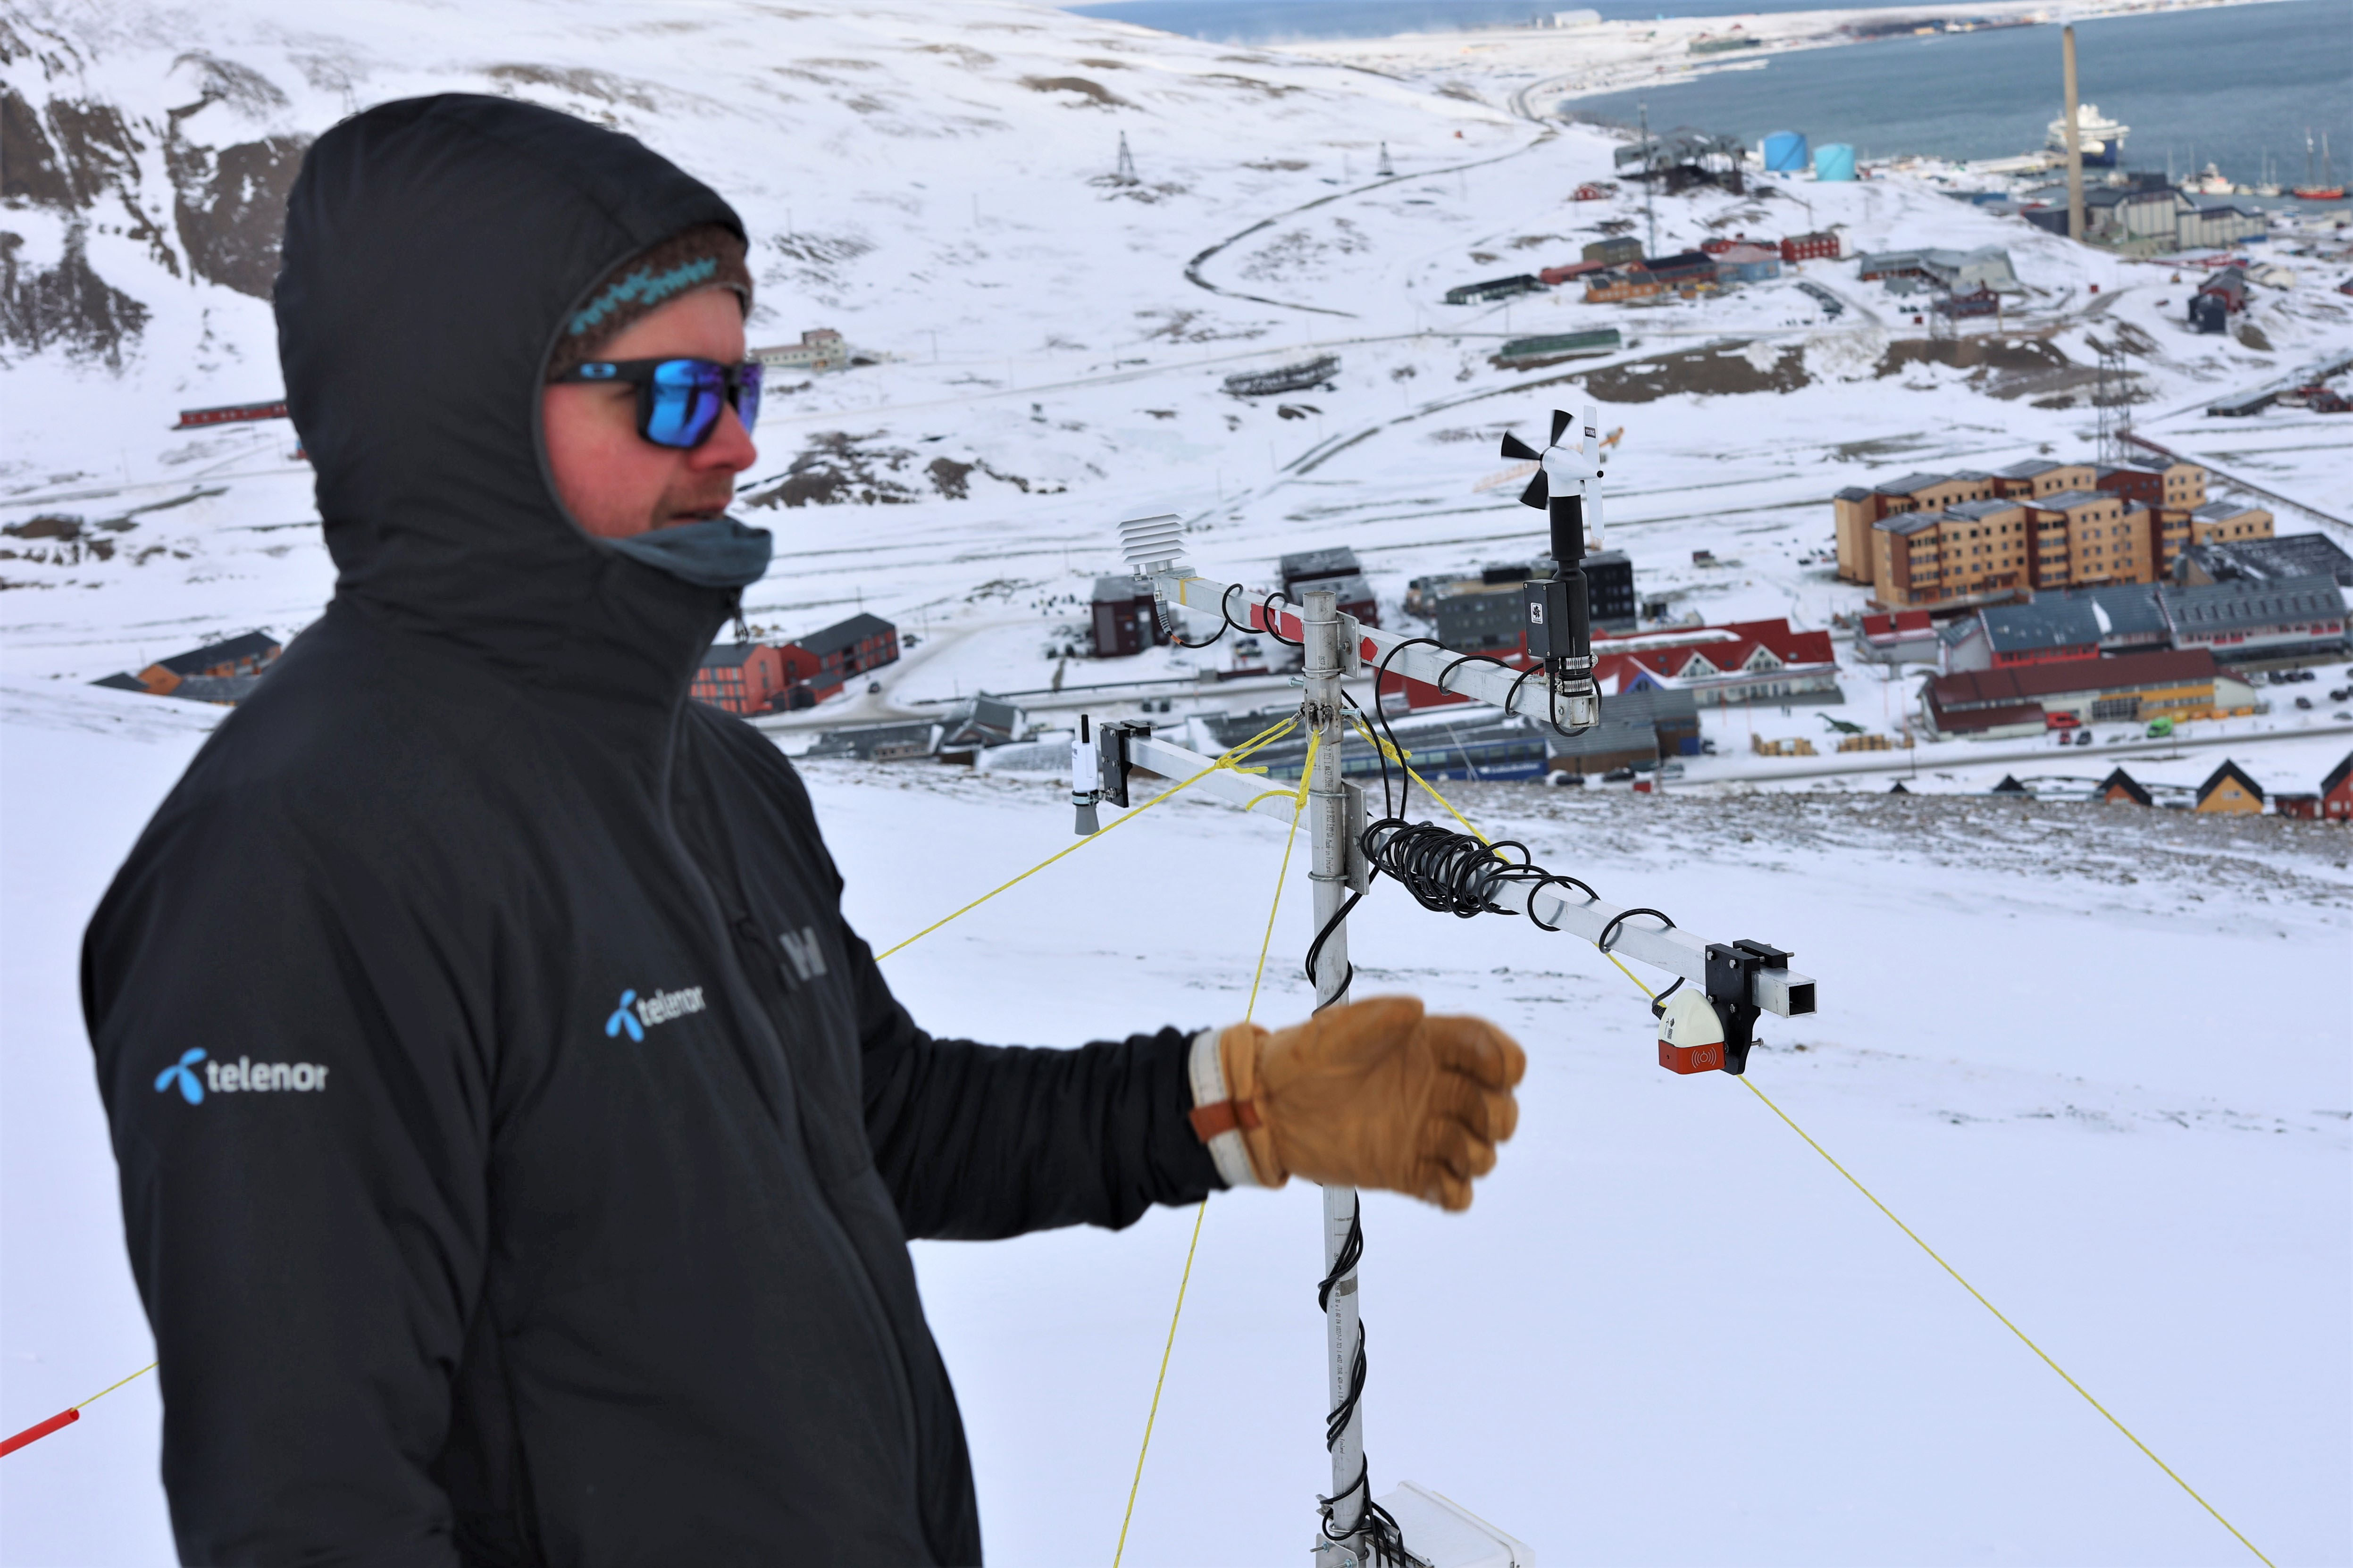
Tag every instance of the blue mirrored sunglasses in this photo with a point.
(679, 399)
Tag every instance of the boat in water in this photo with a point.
(2103, 138)
(2211, 183)
(2323, 186)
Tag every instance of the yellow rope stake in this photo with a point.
(110, 1387)
(2006, 1323)
(1923, 1246)
(1266, 737)
(1298, 802)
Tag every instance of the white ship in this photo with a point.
(2103, 138)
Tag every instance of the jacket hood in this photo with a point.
(433, 249)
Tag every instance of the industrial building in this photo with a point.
(1615, 251)
(1494, 289)
(2148, 216)
(2264, 559)
(2130, 689)
(1957, 271)
(1526, 354)
(1677, 159)
(2294, 619)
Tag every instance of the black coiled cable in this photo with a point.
(1383, 1542)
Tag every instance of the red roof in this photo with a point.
(1719, 650)
(1902, 624)
(2031, 682)
(1989, 718)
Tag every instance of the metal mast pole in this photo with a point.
(2074, 134)
(1328, 848)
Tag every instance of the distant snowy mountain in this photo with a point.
(933, 170)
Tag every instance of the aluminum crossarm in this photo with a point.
(1363, 649)
(1251, 791)
(1639, 937)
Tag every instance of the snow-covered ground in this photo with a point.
(2099, 1058)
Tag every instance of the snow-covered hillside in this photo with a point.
(2100, 1060)
(937, 184)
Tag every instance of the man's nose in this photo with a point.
(730, 446)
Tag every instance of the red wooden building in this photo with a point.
(2336, 792)
(742, 678)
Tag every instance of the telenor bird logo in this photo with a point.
(623, 1018)
(192, 1088)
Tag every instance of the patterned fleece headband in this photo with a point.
(704, 256)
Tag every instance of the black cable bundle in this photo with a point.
(1384, 1541)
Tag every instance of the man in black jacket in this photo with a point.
(518, 1149)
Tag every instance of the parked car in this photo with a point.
(2160, 727)
(2305, 703)
(2341, 694)
(1618, 775)
(2059, 721)
(2082, 737)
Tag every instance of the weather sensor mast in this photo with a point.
(1567, 487)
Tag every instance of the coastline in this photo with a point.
(1532, 68)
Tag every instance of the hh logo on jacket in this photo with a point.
(802, 952)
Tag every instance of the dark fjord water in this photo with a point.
(2228, 84)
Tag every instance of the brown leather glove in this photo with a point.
(1375, 1094)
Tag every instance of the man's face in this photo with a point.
(614, 481)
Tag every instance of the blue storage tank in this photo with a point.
(1785, 153)
(1834, 161)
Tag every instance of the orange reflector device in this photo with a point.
(1691, 1035)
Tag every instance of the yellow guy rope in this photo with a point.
(1298, 800)
(110, 1387)
(1906, 1229)
(1265, 737)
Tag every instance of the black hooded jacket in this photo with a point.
(518, 1149)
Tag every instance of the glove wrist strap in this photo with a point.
(1217, 1118)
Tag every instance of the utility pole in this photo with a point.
(2075, 137)
(1650, 177)
(1330, 842)
(1125, 174)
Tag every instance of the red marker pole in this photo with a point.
(34, 1434)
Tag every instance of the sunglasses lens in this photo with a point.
(687, 397)
(747, 396)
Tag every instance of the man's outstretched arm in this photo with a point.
(976, 1141)
(987, 1141)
